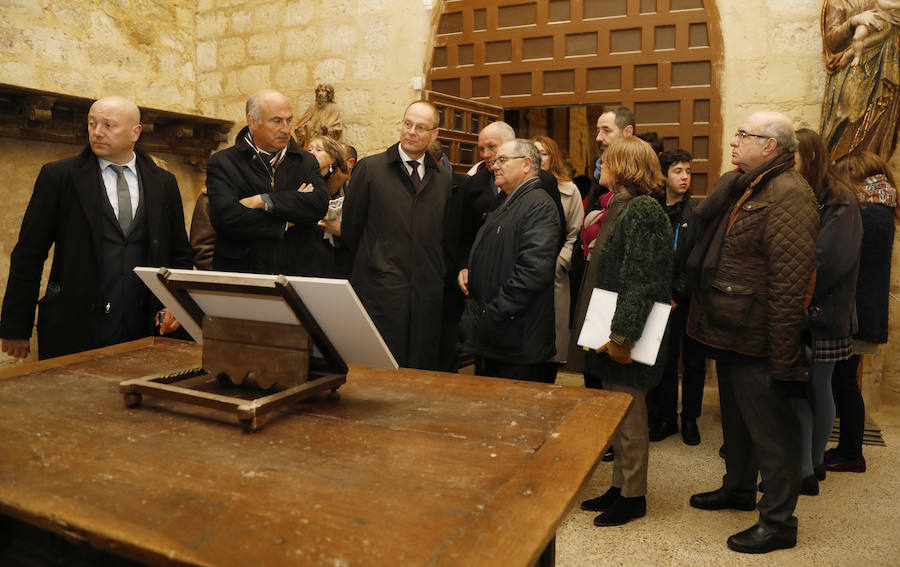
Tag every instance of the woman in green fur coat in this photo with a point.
(636, 263)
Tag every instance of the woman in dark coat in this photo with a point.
(832, 310)
(871, 179)
(636, 263)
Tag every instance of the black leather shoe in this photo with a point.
(820, 472)
(758, 539)
(809, 485)
(689, 432)
(718, 500)
(609, 456)
(662, 431)
(623, 511)
(602, 503)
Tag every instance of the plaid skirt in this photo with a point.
(832, 350)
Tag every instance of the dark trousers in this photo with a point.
(537, 372)
(448, 353)
(762, 435)
(850, 407)
(664, 397)
(593, 381)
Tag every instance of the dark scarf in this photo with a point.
(719, 210)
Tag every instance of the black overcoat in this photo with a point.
(280, 241)
(66, 211)
(512, 265)
(397, 237)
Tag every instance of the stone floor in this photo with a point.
(855, 519)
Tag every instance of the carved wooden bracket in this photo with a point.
(32, 114)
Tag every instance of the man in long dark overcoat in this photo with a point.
(393, 221)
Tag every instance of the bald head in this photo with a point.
(269, 117)
(492, 137)
(778, 126)
(761, 137)
(114, 126)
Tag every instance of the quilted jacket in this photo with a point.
(756, 305)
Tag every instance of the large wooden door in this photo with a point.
(662, 58)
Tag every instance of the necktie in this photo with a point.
(414, 175)
(124, 197)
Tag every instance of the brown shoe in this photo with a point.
(846, 465)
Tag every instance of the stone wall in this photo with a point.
(368, 50)
(137, 49)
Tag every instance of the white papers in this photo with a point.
(597, 322)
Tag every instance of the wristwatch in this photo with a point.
(618, 339)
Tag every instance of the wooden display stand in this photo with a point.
(250, 367)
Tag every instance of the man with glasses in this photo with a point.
(393, 221)
(266, 195)
(750, 272)
(508, 323)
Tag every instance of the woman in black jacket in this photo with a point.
(832, 310)
(870, 177)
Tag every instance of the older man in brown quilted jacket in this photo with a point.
(750, 272)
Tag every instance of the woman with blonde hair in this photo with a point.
(551, 161)
(635, 262)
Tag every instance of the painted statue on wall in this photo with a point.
(322, 118)
(861, 107)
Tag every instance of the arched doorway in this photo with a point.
(554, 64)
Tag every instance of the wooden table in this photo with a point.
(407, 468)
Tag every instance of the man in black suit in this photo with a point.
(394, 222)
(105, 211)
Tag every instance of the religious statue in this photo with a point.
(322, 118)
(861, 106)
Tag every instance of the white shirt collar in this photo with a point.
(104, 163)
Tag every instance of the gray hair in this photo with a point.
(252, 108)
(526, 148)
(505, 130)
(782, 130)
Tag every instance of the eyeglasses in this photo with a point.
(500, 160)
(741, 134)
(418, 128)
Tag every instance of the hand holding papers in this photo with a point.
(597, 327)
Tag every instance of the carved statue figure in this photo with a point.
(322, 118)
(861, 106)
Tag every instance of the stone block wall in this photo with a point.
(369, 51)
(140, 50)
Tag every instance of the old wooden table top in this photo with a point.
(407, 468)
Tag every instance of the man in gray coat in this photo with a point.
(393, 221)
